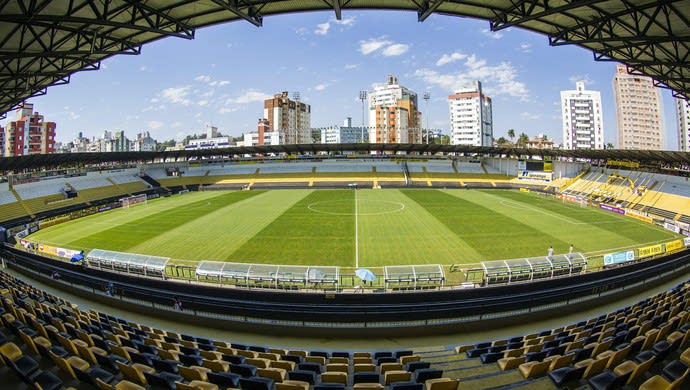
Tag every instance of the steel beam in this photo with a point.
(428, 8)
(233, 6)
(526, 10)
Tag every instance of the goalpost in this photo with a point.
(133, 200)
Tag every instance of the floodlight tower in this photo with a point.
(363, 98)
(427, 96)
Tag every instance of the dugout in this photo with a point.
(526, 269)
(127, 262)
(268, 275)
(413, 276)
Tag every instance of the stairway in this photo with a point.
(149, 180)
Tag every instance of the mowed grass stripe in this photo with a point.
(215, 236)
(70, 231)
(494, 235)
(318, 230)
(394, 230)
(121, 238)
(599, 221)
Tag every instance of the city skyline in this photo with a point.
(176, 87)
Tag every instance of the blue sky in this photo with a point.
(176, 87)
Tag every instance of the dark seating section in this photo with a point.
(50, 344)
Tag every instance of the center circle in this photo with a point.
(376, 207)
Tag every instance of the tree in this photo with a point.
(511, 135)
(610, 146)
(502, 141)
(523, 139)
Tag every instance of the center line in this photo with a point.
(356, 233)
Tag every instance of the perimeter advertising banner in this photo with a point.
(611, 209)
(57, 251)
(652, 250)
(536, 176)
(636, 215)
(672, 227)
(674, 245)
(619, 257)
(687, 241)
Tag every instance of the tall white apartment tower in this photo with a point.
(582, 118)
(638, 111)
(471, 117)
(394, 116)
(683, 116)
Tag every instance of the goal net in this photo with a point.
(133, 200)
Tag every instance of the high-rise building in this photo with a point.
(144, 143)
(638, 111)
(683, 118)
(582, 118)
(471, 117)
(345, 134)
(28, 134)
(394, 117)
(288, 116)
(2, 142)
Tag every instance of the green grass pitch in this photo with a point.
(348, 228)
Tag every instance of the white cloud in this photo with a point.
(386, 47)
(395, 50)
(155, 124)
(249, 96)
(450, 58)
(351, 66)
(581, 77)
(491, 34)
(158, 107)
(322, 29)
(143, 68)
(499, 79)
(321, 87)
(202, 103)
(73, 115)
(176, 95)
(530, 116)
(525, 47)
(176, 125)
(223, 82)
(203, 78)
(371, 45)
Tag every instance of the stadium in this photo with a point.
(346, 241)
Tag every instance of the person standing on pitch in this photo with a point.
(549, 253)
(570, 252)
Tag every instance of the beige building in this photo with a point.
(638, 109)
(290, 117)
(683, 119)
(394, 117)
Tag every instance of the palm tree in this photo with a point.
(523, 140)
(511, 135)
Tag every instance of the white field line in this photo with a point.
(356, 233)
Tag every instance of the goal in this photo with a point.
(133, 200)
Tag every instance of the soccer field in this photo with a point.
(353, 228)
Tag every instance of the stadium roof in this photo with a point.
(79, 159)
(44, 42)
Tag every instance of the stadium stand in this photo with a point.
(51, 342)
